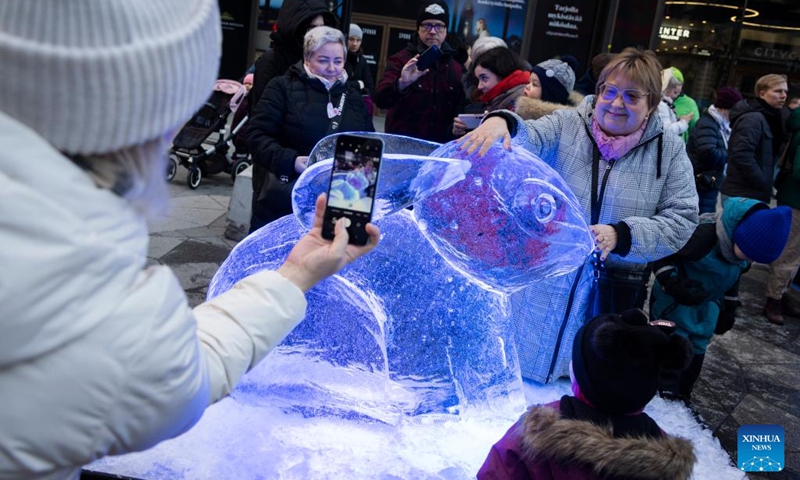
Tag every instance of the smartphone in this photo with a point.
(428, 58)
(471, 120)
(352, 186)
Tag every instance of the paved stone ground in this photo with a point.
(752, 376)
(189, 237)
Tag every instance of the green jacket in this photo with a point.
(685, 104)
(789, 189)
(703, 259)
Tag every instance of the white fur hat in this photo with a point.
(97, 76)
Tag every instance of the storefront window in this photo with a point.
(712, 46)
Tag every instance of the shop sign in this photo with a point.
(672, 33)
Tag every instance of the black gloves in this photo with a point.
(727, 316)
(684, 290)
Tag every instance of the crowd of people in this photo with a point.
(669, 192)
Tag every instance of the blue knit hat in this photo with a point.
(763, 233)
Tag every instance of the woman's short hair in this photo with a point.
(641, 67)
(768, 81)
(318, 37)
(500, 61)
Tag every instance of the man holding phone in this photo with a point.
(422, 102)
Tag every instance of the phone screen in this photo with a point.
(428, 57)
(353, 182)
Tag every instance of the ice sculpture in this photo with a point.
(421, 325)
(382, 346)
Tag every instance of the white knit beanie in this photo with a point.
(97, 76)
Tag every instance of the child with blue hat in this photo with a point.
(697, 287)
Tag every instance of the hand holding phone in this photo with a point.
(352, 187)
(312, 259)
(428, 58)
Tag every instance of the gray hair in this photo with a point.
(318, 37)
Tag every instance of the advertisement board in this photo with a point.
(563, 27)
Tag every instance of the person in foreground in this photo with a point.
(100, 353)
(635, 186)
(601, 431)
(698, 287)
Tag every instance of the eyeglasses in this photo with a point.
(630, 96)
(435, 27)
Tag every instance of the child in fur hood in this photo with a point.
(551, 88)
(601, 432)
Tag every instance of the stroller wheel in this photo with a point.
(194, 177)
(172, 168)
(239, 166)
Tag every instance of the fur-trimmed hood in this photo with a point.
(533, 109)
(544, 435)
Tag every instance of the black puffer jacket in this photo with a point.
(750, 152)
(286, 43)
(706, 147)
(358, 69)
(288, 121)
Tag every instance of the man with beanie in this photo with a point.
(697, 287)
(357, 68)
(757, 132)
(708, 147)
(782, 270)
(423, 103)
(100, 352)
(601, 431)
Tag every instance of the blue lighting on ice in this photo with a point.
(405, 366)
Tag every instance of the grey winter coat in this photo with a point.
(655, 198)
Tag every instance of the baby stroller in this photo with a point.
(208, 125)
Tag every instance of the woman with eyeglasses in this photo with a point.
(635, 185)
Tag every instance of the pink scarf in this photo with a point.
(614, 148)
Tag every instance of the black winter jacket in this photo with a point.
(358, 69)
(750, 153)
(706, 147)
(288, 121)
(286, 43)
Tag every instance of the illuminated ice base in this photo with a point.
(239, 441)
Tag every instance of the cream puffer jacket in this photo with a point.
(100, 354)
